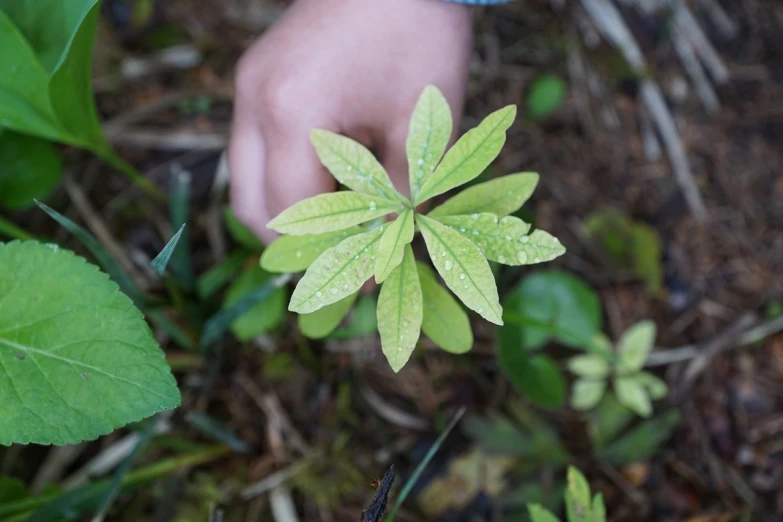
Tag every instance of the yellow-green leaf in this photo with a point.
(587, 393)
(589, 365)
(337, 273)
(500, 196)
(632, 394)
(319, 324)
(296, 253)
(464, 269)
(656, 388)
(400, 312)
(635, 345)
(353, 165)
(445, 321)
(392, 246)
(428, 136)
(472, 153)
(330, 212)
(540, 514)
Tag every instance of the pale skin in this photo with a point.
(355, 67)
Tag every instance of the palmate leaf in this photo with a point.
(400, 312)
(296, 253)
(635, 345)
(331, 212)
(77, 359)
(472, 153)
(399, 233)
(428, 135)
(461, 265)
(353, 165)
(338, 272)
(319, 324)
(444, 321)
(500, 196)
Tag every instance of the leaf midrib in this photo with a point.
(381, 186)
(389, 258)
(391, 206)
(425, 150)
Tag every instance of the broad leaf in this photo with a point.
(632, 394)
(540, 514)
(331, 212)
(500, 196)
(578, 505)
(461, 265)
(643, 441)
(635, 345)
(263, 316)
(428, 135)
(589, 365)
(77, 359)
(296, 253)
(587, 393)
(338, 272)
(30, 169)
(445, 321)
(472, 153)
(400, 312)
(535, 376)
(398, 235)
(656, 388)
(353, 165)
(319, 324)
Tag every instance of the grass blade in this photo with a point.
(162, 259)
(181, 266)
(10, 230)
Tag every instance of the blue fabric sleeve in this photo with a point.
(479, 2)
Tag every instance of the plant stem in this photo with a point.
(111, 157)
(9, 229)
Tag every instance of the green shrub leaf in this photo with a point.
(578, 505)
(587, 393)
(635, 345)
(31, 169)
(445, 321)
(331, 212)
(535, 376)
(461, 265)
(338, 272)
(540, 514)
(656, 388)
(263, 316)
(500, 196)
(353, 165)
(400, 312)
(599, 509)
(472, 153)
(632, 394)
(296, 253)
(399, 233)
(643, 441)
(77, 359)
(428, 135)
(319, 324)
(589, 365)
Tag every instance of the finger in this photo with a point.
(246, 162)
(394, 158)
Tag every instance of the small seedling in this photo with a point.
(324, 235)
(579, 507)
(634, 388)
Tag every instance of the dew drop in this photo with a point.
(474, 216)
(462, 229)
(462, 276)
(318, 294)
(448, 265)
(474, 232)
(524, 239)
(481, 310)
(421, 162)
(333, 291)
(536, 259)
(501, 259)
(522, 256)
(357, 257)
(298, 254)
(508, 238)
(372, 205)
(349, 168)
(443, 254)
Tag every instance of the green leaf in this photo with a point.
(656, 388)
(445, 321)
(642, 442)
(331, 212)
(495, 433)
(319, 324)
(461, 265)
(632, 394)
(428, 135)
(540, 514)
(635, 345)
(545, 95)
(587, 393)
(590, 365)
(578, 506)
(472, 153)
(217, 276)
(162, 259)
(77, 359)
(241, 234)
(363, 319)
(599, 509)
(338, 272)
(398, 235)
(353, 165)
(535, 376)
(607, 421)
(400, 312)
(30, 169)
(296, 253)
(263, 316)
(647, 256)
(501, 196)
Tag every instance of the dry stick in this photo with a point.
(53, 467)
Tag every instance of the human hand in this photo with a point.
(355, 67)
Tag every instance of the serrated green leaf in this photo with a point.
(587, 393)
(264, 315)
(589, 365)
(578, 506)
(632, 394)
(319, 324)
(656, 388)
(445, 321)
(296, 253)
(399, 233)
(635, 345)
(540, 514)
(461, 265)
(331, 212)
(501, 196)
(400, 312)
(472, 153)
(353, 165)
(428, 135)
(30, 169)
(338, 272)
(599, 509)
(77, 359)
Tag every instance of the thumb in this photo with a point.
(246, 163)
(393, 157)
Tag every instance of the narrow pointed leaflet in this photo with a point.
(400, 312)
(501, 196)
(319, 324)
(445, 321)
(296, 253)
(428, 135)
(392, 246)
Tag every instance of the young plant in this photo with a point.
(634, 388)
(579, 506)
(324, 235)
